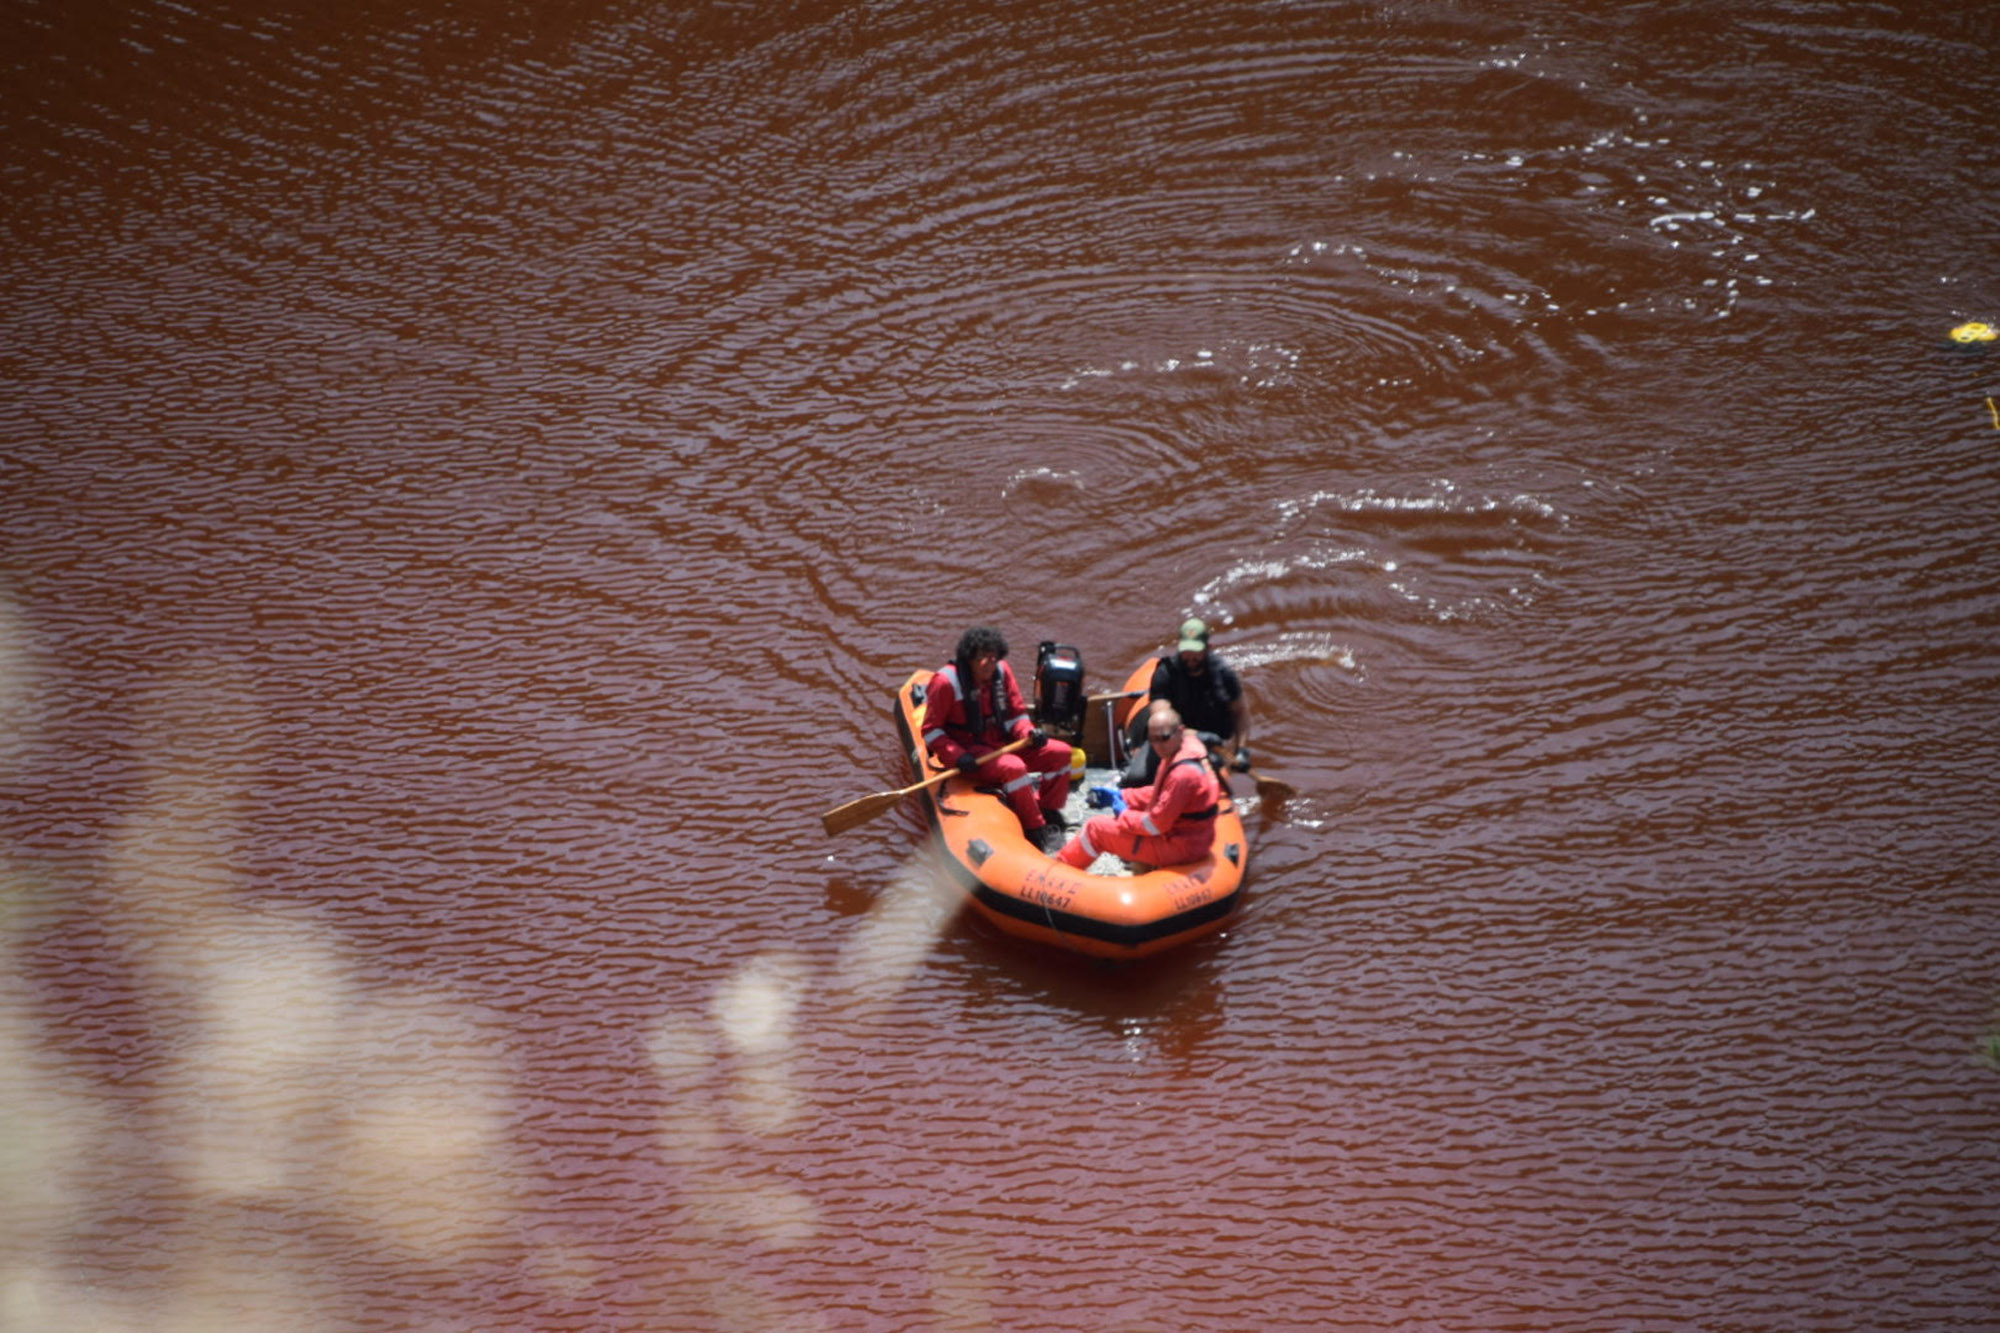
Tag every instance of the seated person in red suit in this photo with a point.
(973, 706)
(1168, 823)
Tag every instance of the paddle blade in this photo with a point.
(1274, 791)
(844, 817)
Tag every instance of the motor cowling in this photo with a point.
(1059, 697)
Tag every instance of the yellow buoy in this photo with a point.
(1975, 332)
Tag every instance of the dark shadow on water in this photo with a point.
(1175, 997)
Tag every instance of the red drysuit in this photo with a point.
(1165, 824)
(1035, 780)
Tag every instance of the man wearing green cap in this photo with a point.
(1197, 684)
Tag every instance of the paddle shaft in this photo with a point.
(953, 772)
(860, 811)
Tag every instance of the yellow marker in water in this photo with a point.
(1974, 332)
(1994, 410)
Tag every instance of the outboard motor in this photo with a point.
(1059, 697)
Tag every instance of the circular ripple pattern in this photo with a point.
(472, 480)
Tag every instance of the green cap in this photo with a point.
(1194, 635)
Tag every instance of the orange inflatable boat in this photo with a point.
(1111, 910)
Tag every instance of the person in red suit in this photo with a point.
(973, 705)
(1167, 823)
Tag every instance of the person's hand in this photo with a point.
(1037, 738)
(967, 763)
(1106, 798)
(1242, 764)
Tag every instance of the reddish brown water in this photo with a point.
(473, 474)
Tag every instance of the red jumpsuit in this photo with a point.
(1166, 824)
(1034, 781)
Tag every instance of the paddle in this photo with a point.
(844, 817)
(1116, 694)
(1272, 791)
